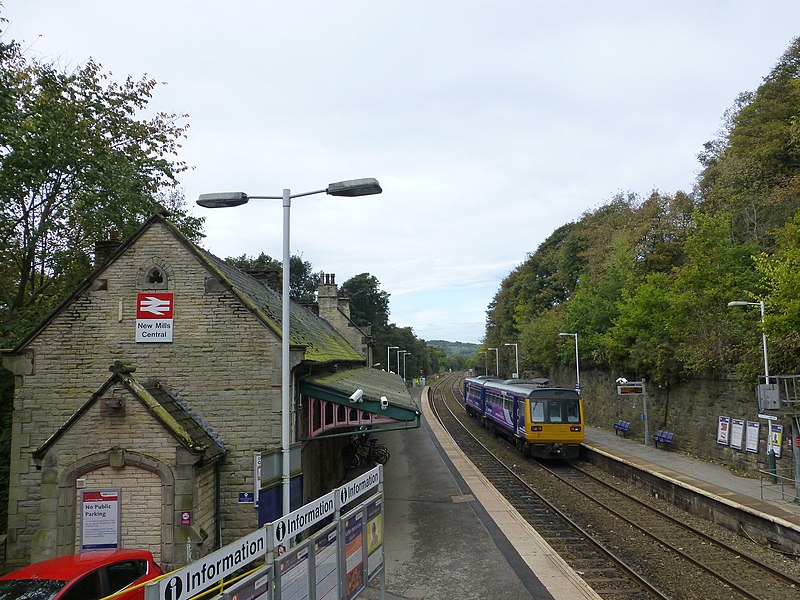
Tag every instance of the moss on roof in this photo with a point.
(374, 383)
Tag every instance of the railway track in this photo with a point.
(620, 545)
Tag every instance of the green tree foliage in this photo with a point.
(303, 281)
(74, 162)
(369, 305)
(752, 171)
(779, 273)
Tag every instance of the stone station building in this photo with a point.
(157, 385)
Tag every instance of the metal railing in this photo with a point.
(775, 486)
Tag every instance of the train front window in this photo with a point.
(563, 411)
(573, 410)
(537, 411)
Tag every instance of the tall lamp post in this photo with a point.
(770, 451)
(577, 361)
(349, 188)
(760, 304)
(403, 353)
(516, 358)
(388, 362)
(496, 361)
(405, 356)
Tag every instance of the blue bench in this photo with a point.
(622, 427)
(663, 437)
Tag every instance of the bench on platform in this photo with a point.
(622, 427)
(663, 437)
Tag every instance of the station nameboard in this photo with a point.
(630, 388)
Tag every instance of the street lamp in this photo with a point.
(496, 361)
(349, 188)
(516, 357)
(406, 355)
(403, 352)
(388, 362)
(577, 361)
(763, 331)
(770, 450)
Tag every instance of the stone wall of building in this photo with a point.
(227, 372)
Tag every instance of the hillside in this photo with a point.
(454, 348)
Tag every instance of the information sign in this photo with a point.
(723, 430)
(354, 555)
(196, 577)
(751, 436)
(737, 433)
(630, 388)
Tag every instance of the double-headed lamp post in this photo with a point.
(388, 361)
(349, 188)
(577, 361)
(516, 357)
(496, 361)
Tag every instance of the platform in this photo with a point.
(707, 478)
(449, 534)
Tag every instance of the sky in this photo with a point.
(488, 124)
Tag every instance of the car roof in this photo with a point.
(74, 565)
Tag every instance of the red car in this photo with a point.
(82, 576)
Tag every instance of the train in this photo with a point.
(542, 421)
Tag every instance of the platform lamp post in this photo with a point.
(405, 356)
(496, 361)
(388, 361)
(403, 353)
(577, 361)
(770, 450)
(516, 358)
(349, 188)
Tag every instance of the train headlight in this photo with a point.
(575, 428)
(536, 428)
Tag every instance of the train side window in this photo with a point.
(537, 412)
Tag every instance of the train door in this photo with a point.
(522, 405)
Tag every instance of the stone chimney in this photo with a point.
(328, 297)
(270, 278)
(105, 248)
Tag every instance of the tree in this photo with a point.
(369, 305)
(74, 162)
(303, 282)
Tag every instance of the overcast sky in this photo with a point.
(488, 123)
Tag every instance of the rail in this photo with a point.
(772, 482)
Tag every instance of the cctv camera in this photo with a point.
(356, 397)
(384, 403)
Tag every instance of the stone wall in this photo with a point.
(227, 373)
(691, 410)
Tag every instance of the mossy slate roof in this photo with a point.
(165, 406)
(323, 344)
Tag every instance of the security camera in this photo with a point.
(384, 403)
(356, 397)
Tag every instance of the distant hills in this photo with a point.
(454, 348)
